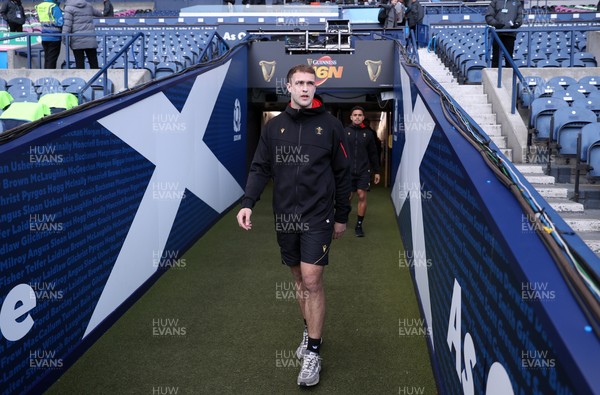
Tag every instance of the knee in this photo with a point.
(312, 283)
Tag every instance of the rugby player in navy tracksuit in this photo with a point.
(362, 149)
(304, 151)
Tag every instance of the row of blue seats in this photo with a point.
(464, 53)
(572, 131)
(26, 90)
(536, 86)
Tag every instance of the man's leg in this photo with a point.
(79, 58)
(51, 53)
(314, 300)
(92, 57)
(297, 274)
(361, 211)
(314, 309)
(495, 54)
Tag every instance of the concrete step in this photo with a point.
(529, 168)
(582, 224)
(469, 90)
(539, 179)
(492, 130)
(484, 119)
(548, 192)
(464, 98)
(507, 152)
(565, 206)
(500, 141)
(593, 244)
(476, 108)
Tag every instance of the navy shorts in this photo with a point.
(310, 247)
(361, 181)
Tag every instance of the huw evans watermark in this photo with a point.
(168, 327)
(165, 390)
(44, 359)
(45, 291)
(168, 123)
(289, 291)
(413, 327)
(290, 223)
(412, 190)
(167, 191)
(290, 156)
(44, 154)
(537, 292)
(168, 259)
(413, 259)
(44, 223)
(536, 359)
(287, 359)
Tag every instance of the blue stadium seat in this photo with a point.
(590, 103)
(473, 70)
(562, 81)
(73, 81)
(25, 82)
(541, 114)
(86, 96)
(591, 80)
(98, 88)
(3, 84)
(590, 134)
(593, 158)
(566, 125)
(23, 93)
(569, 97)
(164, 69)
(527, 94)
(587, 58)
(581, 88)
(47, 85)
(547, 63)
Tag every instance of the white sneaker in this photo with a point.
(303, 344)
(311, 366)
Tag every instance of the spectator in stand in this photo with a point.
(79, 18)
(507, 14)
(13, 13)
(414, 15)
(395, 14)
(108, 9)
(51, 19)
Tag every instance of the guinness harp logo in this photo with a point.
(373, 68)
(268, 69)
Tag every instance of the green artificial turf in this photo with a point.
(223, 327)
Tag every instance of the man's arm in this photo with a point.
(374, 157)
(340, 165)
(260, 173)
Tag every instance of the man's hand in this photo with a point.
(338, 230)
(243, 218)
(377, 178)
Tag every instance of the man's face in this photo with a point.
(357, 117)
(302, 89)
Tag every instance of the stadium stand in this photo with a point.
(566, 125)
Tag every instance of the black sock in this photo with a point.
(360, 220)
(314, 345)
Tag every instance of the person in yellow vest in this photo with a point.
(51, 18)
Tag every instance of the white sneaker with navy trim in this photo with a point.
(311, 366)
(303, 344)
